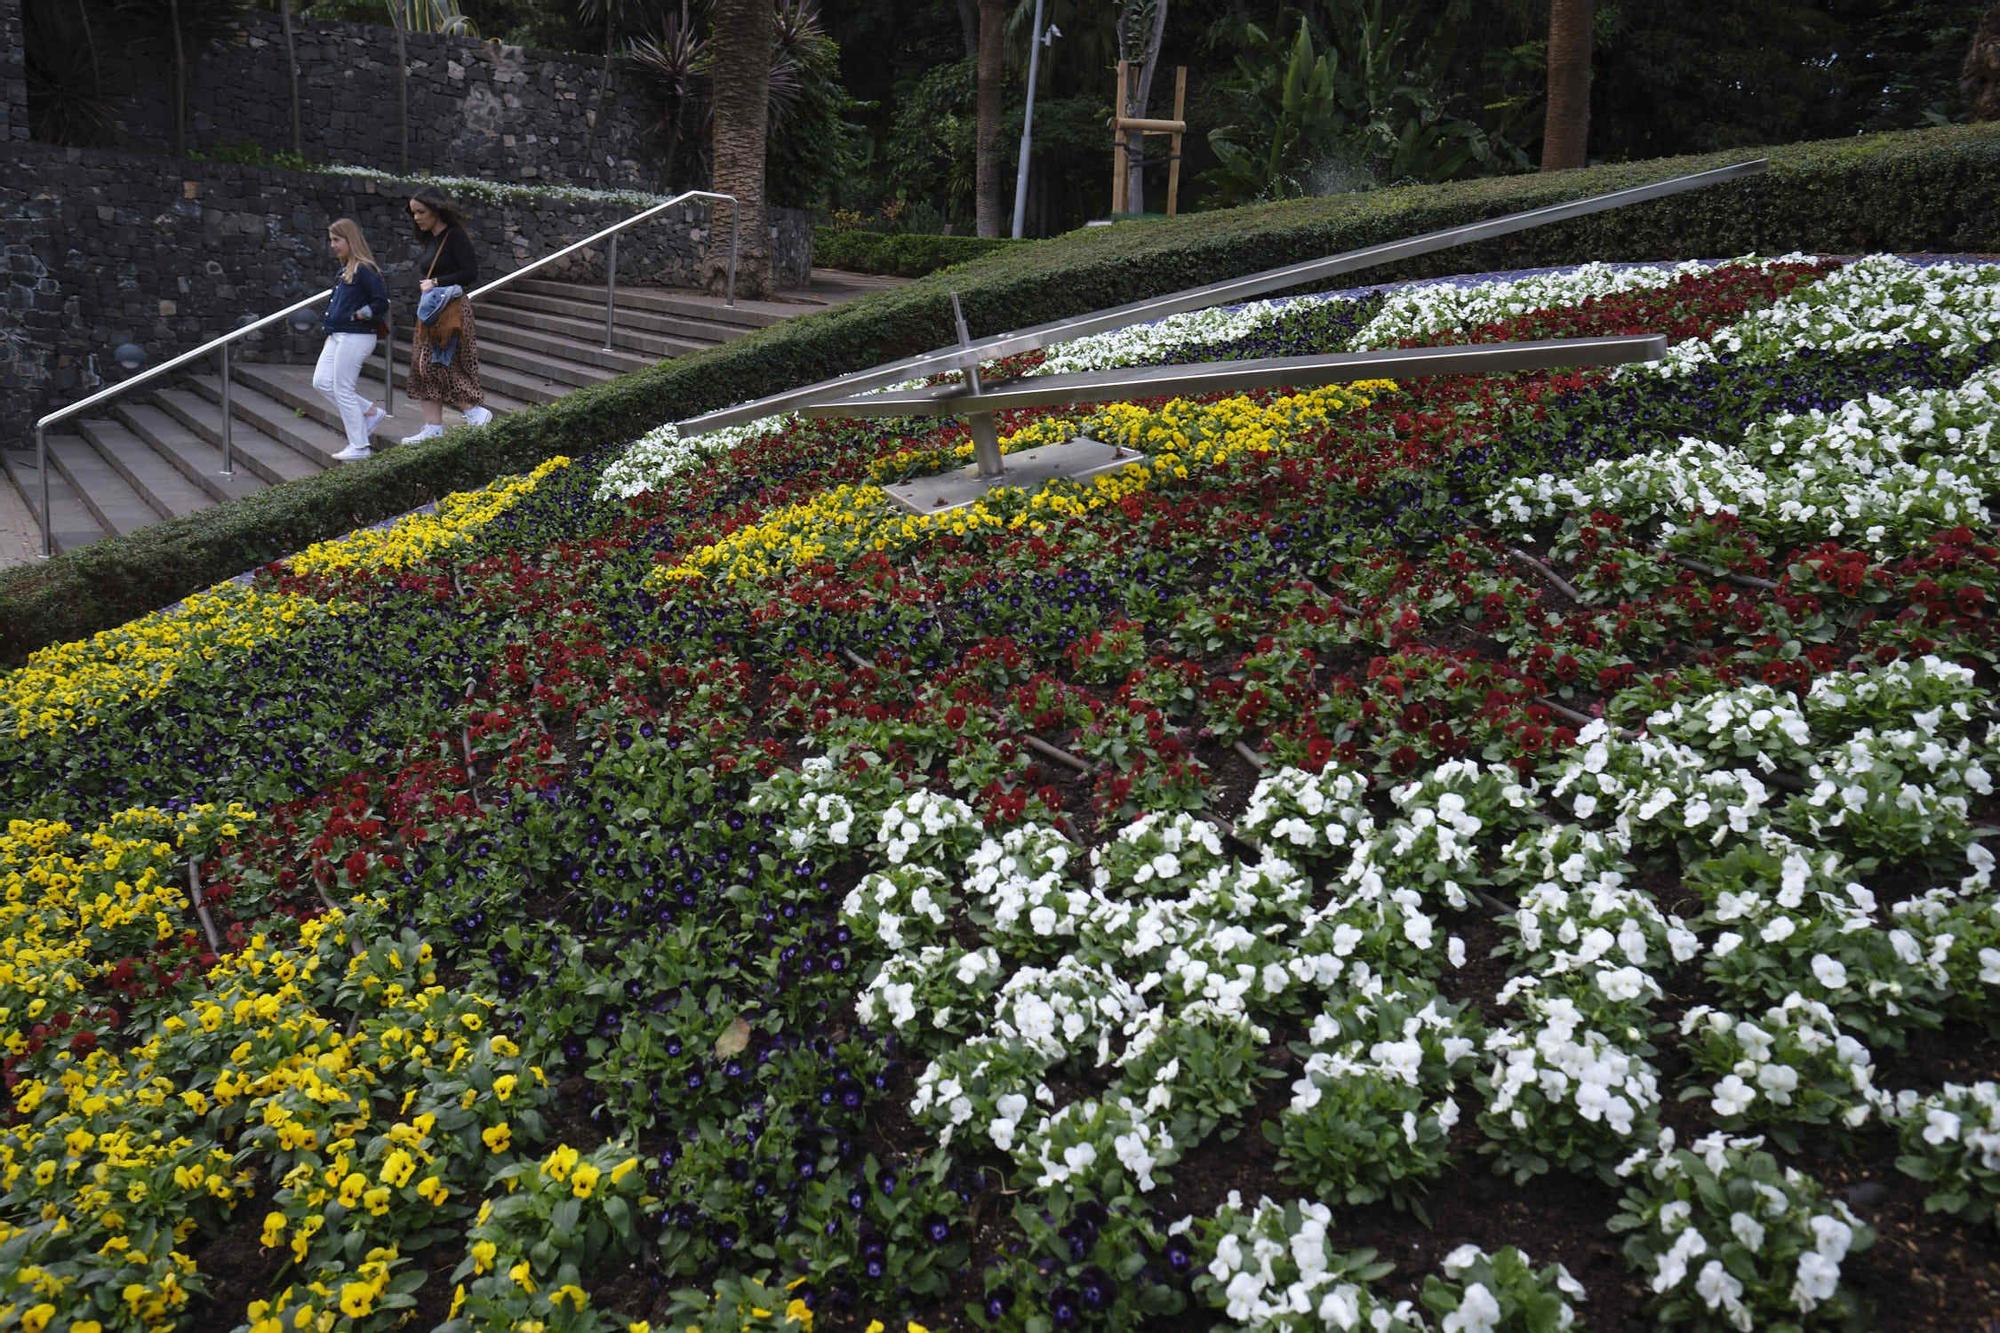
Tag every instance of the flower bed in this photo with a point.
(1459, 853)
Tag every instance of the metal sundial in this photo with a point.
(977, 401)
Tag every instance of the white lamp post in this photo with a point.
(1035, 45)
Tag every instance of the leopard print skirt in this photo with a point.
(456, 385)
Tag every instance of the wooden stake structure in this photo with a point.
(1122, 124)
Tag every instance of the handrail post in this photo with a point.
(610, 289)
(735, 228)
(42, 463)
(228, 456)
(389, 364)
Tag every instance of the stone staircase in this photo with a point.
(157, 453)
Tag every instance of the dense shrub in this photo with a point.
(1936, 189)
(908, 255)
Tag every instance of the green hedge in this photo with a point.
(910, 255)
(1936, 190)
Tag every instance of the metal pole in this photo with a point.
(389, 365)
(42, 462)
(610, 290)
(735, 229)
(228, 454)
(985, 433)
(1027, 124)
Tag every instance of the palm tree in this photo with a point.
(986, 143)
(672, 64)
(740, 44)
(1566, 131)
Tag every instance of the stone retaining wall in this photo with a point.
(13, 73)
(99, 249)
(475, 108)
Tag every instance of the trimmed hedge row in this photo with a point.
(1935, 189)
(912, 255)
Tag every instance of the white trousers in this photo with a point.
(338, 372)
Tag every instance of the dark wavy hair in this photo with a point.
(437, 203)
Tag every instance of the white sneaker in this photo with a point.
(426, 433)
(478, 416)
(354, 453)
(374, 417)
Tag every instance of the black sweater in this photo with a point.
(456, 266)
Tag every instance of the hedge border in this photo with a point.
(1934, 189)
(908, 255)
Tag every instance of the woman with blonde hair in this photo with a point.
(356, 315)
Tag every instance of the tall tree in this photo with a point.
(986, 146)
(1566, 131)
(740, 43)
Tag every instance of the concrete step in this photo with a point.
(668, 301)
(267, 458)
(497, 379)
(833, 286)
(292, 386)
(313, 441)
(74, 524)
(558, 372)
(113, 501)
(585, 351)
(158, 482)
(195, 457)
(581, 319)
(528, 326)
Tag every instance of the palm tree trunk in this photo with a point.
(744, 33)
(1566, 131)
(986, 152)
(292, 74)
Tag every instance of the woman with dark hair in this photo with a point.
(444, 355)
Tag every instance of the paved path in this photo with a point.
(20, 539)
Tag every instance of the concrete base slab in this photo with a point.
(1029, 470)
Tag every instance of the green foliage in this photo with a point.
(905, 255)
(69, 101)
(930, 149)
(252, 155)
(1925, 189)
(811, 147)
(1347, 111)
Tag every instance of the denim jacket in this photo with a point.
(367, 292)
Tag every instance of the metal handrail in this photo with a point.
(226, 341)
(970, 352)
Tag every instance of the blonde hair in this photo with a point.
(358, 252)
